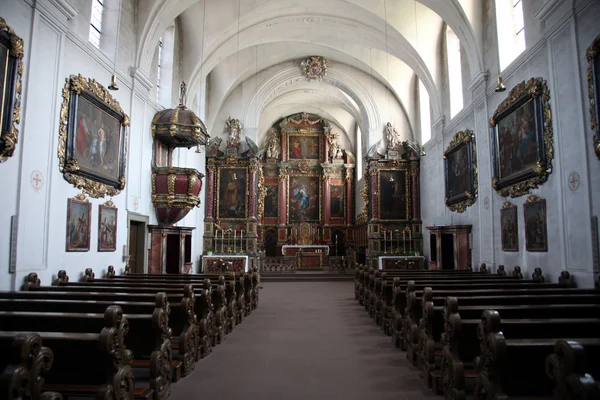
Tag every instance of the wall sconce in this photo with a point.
(500, 86)
(113, 83)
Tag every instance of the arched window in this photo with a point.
(96, 22)
(424, 113)
(164, 67)
(511, 30)
(454, 72)
(158, 68)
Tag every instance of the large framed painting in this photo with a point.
(304, 145)
(509, 227)
(521, 130)
(232, 196)
(271, 201)
(79, 217)
(11, 70)
(304, 199)
(107, 227)
(593, 76)
(536, 238)
(93, 138)
(460, 171)
(394, 195)
(337, 205)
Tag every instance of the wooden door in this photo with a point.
(137, 232)
(133, 238)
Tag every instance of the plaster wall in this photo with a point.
(55, 48)
(558, 57)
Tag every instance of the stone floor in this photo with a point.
(307, 340)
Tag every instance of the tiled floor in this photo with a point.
(307, 340)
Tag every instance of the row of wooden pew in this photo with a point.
(490, 336)
(118, 337)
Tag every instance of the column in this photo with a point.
(210, 192)
(253, 169)
(327, 200)
(414, 175)
(283, 178)
(349, 197)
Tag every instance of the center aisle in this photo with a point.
(305, 340)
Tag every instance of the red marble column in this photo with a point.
(326, 213)
(282, 141)
(210, 192)
(416, 215)
(252, 201)
(349, 201)
(374, 200)
(283, 199)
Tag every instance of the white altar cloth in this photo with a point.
(305, 246)
(224, 257)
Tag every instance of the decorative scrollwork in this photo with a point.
(31, 281)
(62, 277)
(592, 55)
(490, 363)
(262, 192)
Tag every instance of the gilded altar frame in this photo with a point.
(92, 146)
(221, 186)
(521, 134)
(11, 55)
(593, 76)
(460, 171)
(319, 185)
(387, 188)
(307, 139)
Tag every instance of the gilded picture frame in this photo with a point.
(536, 234)
(593, 76)
(271, 201)
(337, 202)
(509, 227)
(107, 227)
(79, 218)
(460, 171)
(304, 199)
(232, 193)
(394, 195)
(11, 72)
(92, 146)
(521, 134)
(304, 145)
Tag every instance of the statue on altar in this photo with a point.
(235, 129)
(335, 150)
(274, 146)
(392, 137)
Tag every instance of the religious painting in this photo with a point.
(93, 140)
(593, 76)
(521, 130)
(11, 67)
(232, 195)
(303, 146)
(536, 238)
(271, 201)
(393, 195)
(460, 171)
(509, 227)
(79, 214)
(336, 201)
(107, 227)
(304, 199)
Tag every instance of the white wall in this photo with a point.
(559, 57)
(58, 48)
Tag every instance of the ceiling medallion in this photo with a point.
(314, 67)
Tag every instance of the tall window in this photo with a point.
(425, 113)
(454, 72)
(160, 50)
(96, 22)
(511, 30)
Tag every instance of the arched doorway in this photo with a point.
(270, 243)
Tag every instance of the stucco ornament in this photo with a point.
(314, 67)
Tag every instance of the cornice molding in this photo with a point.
(480, 78)
(548, 9)
(139, 76)
(65, 8)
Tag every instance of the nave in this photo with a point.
(306, 340)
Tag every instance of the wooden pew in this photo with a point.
(513, 349)
(150, 335)
(96, 364)
(574, 370)
(24, 364)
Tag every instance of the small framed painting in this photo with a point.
(79, 212)
(107, 227)
(536, 237)
(509, 227)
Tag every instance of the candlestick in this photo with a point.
(242, 241)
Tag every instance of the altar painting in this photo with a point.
(271, 201)
(301, 146)
(232, 199)
(303, 198)
(336, 201)
(392, 195)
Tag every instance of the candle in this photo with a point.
(391, 236)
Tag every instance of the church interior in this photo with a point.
(420, 160)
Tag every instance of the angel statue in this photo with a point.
(274, 145)
(335, 150)
(235, 129)
(392, 136)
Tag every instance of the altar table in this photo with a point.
(309, 256)
(401, 262)
(213, 263)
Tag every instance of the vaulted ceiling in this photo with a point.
(392, 44)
